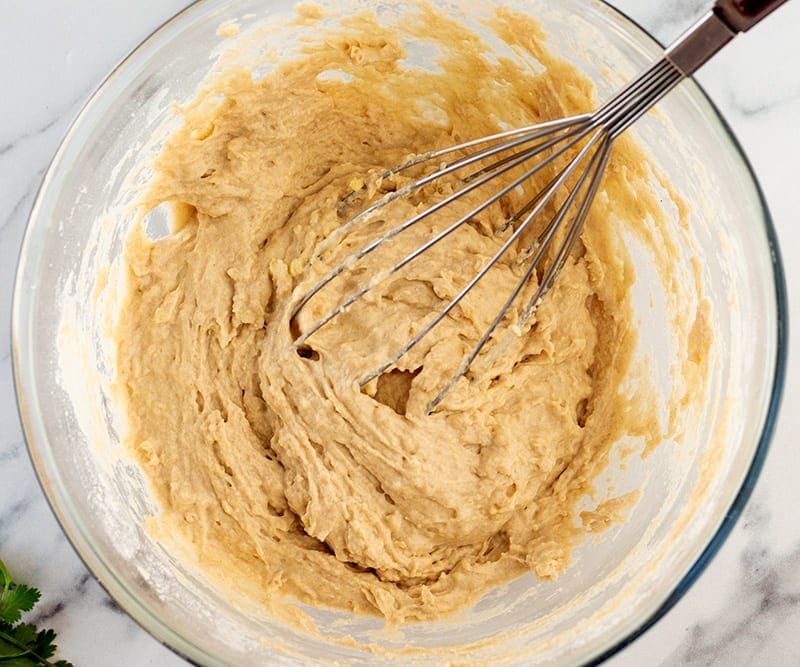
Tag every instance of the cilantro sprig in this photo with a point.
(21, 644)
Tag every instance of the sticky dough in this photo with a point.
(283, 477)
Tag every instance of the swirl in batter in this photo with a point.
(275, 464)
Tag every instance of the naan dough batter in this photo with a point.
(284, 477)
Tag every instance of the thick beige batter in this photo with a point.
(279, 473)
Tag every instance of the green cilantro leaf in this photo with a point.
(18, 599)
(21, 644)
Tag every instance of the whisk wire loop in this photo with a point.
(608, 121)
(589, 136)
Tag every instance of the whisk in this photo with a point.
(588, 136)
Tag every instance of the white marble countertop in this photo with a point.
(744, 609)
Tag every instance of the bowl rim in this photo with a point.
(182, 646)
(776, 393)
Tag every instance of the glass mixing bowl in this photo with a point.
(620, 582)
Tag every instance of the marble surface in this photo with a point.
(745, 608)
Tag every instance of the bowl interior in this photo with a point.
(617, 580)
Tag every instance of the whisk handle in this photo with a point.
(741, 15)
(714, 30)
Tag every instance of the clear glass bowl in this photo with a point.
(618, 585)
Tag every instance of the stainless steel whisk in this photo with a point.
(532, 148)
